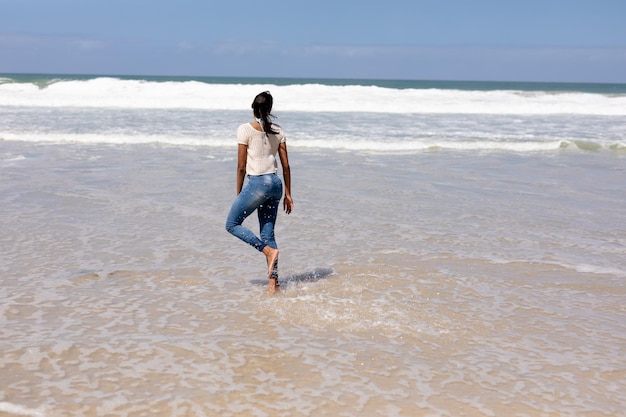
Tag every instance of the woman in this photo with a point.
(259, 141)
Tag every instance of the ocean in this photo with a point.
(455, 249)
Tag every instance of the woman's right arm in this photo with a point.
(242, 155)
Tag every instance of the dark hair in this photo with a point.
(262, 107)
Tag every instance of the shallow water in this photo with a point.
(440, 283)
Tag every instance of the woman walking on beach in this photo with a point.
(259, 141)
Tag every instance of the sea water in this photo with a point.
(456, 249)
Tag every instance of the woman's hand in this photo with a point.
(288, 204)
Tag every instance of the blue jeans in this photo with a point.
(262, 193)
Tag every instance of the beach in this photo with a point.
(466, 260)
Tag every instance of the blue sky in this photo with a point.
(530, 40)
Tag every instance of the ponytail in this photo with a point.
(262, 107)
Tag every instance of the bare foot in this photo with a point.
(273, 287)
(272, 256)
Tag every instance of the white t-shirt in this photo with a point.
(262, 148)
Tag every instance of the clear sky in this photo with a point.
(499, 40)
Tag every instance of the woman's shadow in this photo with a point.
(305, 277)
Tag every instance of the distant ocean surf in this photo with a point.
(374, 115)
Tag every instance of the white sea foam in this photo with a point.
(431, 145)
(12, 158)
(16, 409)
(117, 93)
(372, 145)
(583, 268)
(117, 139)
(594, 269)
